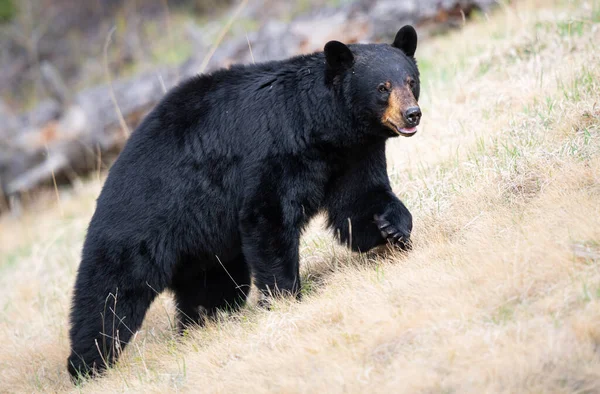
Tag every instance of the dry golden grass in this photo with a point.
(501, 292)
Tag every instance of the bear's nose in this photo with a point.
(413, 116)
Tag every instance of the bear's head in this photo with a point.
(380, 82)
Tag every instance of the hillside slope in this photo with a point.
(500, 294)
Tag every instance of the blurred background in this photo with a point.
(78, 76)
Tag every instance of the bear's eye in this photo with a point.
(412, 83)
(383, 88)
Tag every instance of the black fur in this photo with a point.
(218, 182)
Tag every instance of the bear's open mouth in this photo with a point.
(403, 131)
(407, 131)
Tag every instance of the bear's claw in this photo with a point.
(394, 236)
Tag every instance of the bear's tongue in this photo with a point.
(411, 130)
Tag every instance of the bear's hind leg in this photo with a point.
(109, 306)
(222, 287)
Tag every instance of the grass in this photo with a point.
(500, 294)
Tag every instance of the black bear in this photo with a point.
(216, 184)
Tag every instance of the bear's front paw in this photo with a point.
(265, 300)
(396, 234)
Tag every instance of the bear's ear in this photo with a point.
(338, 55)
(406, 40)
